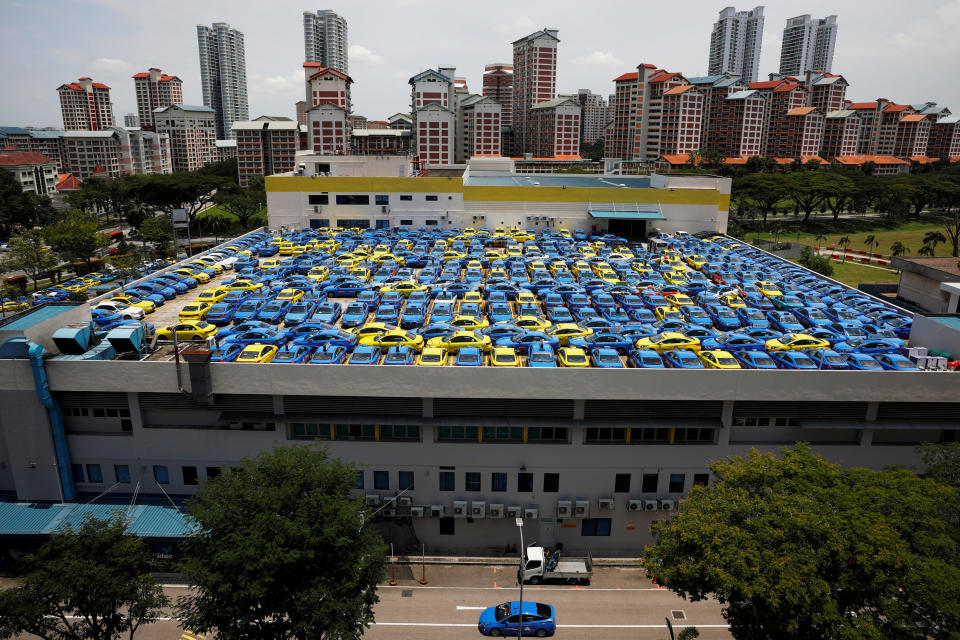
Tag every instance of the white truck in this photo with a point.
(542, 565)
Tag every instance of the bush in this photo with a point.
(815, 262)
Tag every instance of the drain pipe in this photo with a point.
(35, 353)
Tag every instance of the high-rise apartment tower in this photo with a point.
(325, 39)
(735, 43)
(808, 45)
(223, 75)
(155, 89)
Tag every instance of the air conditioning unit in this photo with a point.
(436, 511)
(459, 508)
(668, 505)
(405, 501)
(390, 501)
(607, 504)
(495, 511)
(531, 513)
(634, 505)
(564, 508)
(581, 509)
(373, 499)
(417, 512)
(384, 209)
(478, 509)
(650, 505)
(514, 511)
(388, 513)
(316, 208)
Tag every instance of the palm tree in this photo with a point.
(844, 242)
(933, 238)
(216, 225)
(898, 249)
(926, 250)
(871, 242)
(820, 239)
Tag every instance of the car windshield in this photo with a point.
(869, 363)
(248, 307)
(834, 360)
(726, 362)
(543, 610)
(430, 357)
(396, 357)
(469, 358)
(541, 357)
(803, 361)
(504, 357)
(502, 611)
(576, 358)
(762, 361)
(191, 307)
(608, 358)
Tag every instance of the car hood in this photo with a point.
(488, 615)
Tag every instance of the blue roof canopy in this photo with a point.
(628, 215)
(144, 520)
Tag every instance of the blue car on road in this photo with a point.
(539, 620)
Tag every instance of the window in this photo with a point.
(693, 434)
(318, 198)
(471, 481)
(358, 480)
(447, 526)
(448, 481)
(525, 482)
(430, 198)
(551, 482)
(514, 434)
(430, 223)
(498, 481)
(190, 476)
(381, 199)
(94, 474)
(677, 480)
(160, 474)
(547, 434)
(622, 483)
(406, 480)
(353, 199)
(78, 475)
(399, 432)
(405, 223)
(126, 424)
(356, 431)
(353, 223)
(701, 479)
(650, 482)
(606, 434)
(457, 433)
(406, 199)
(212, 472)
(381, 480)
(650, 434)
(122, 473)
(595, 527)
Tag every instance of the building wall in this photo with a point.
(434, 133)
(193, 137)
(223, 75)
(840, 136)
(922, 291)
(912, 138)
(37, 178)
(498, 84)
(944, 139)
(534, 81)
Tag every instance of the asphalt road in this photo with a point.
(621, 603)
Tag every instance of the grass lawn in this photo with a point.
(910, 234)
(853, 274)
(215, 210)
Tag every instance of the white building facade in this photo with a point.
(223, 75)
(735, 43)
(808, 44)
(325, 39)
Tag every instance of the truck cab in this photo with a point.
(541, 565)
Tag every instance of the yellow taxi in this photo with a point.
(293, 295)
(194, 311)
(188, 330)
(447, 256)
(526, 297)
(432, 357)
(470, 323)
(567, 330)
(286, 248)
(244, 284)
(147, 305)
(667, 313)
(214, 295)
(675, 278)
(200, 264)
(453, 342)
(394, 338)
(371, 328)
(504, 357)
(532, 323)
(796, 342)
(318, 273)
(405, 288)
(669, 340)
(473, 296)
(256, 352)
(678, 299)
(733, 301)
(767, 288)
(718, 359)
(270, 263)
(696, 261)
(572, 357)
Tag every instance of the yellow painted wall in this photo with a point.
(348, 184)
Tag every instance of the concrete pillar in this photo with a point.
(866, 437)
(578, 408)
(428, 407)
(872, 408)
(726, 414)
(278, 408)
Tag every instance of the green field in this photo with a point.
(910, 234)
(215, 210)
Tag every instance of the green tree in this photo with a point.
(933, 238)
(158, 230)
(762, 190)
(942, 462)
(898, 249)
(84, 584)
(243, 203)
(223, 168)
(181, 190)
(798, 548)
(136, 213)
(215, 225)
(712, 160)
(593, 151)
(28, 253)
(951, 226)
(808, 190)
(815, 262)
(844, 243)
(282, 551)
(838, 191)
(19, 209)
(75, 237)
(871, 242)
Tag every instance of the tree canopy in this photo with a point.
(19, 209)
(75, 237)
(795, 547)
(84, 583)
(244, 203)
(28, 253)
(282, 550)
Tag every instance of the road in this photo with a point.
(621, 603)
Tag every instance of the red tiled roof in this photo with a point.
(648, 66)
(862, 105)
(858, 160)
(24, 157)
(553, 158)
(678, 90)
(11, 147)
(314, 64)
(801, 111)
(677, 158)
(323, 70)
(68, 182)
(766, 84)
(803, 160)
(735, 161)
(789, 87)
(142, 74)
(922, 159)
(913, 117)
(633, 75)
(896, 107)
(663, 77)
(83, 78)
(99, 169)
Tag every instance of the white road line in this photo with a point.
(462, 608)
(559, 626)
(528, 587)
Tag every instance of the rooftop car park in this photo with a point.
(514, 298)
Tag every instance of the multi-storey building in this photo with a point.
(478, 127)
(380, 142)
(780, 97)
(149, 151)
(155, 89)
(715, 90)
(226, 150)
(86, 105)
(681, 121)
(192, 132)
(35, 172)
(400, 121)
(880, 122)
(945, 138)
(913, 136)
(736, 128)
(618, 142)
(808, 44)
(594, 116)
(434, 111)
(735, 43)
(223, 75)
(534, 81)
(326, 85)
(131, 120)
(798, 134)
(45, 141)
(841, 133)
(555, 125)
(328, 109)
(86, 153)
(265, 147)
(325, 39)
(301, 107)
(498, 84)
(825, 91)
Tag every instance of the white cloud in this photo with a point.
(600, 58)
(282, 84)
(359, 53)
(519, 28)
(111, 64)
(403, 75)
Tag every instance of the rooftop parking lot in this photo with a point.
(518, 298)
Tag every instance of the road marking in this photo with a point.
(462, 608)
(559, 626)
(528, 587)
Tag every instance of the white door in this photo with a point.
(547, 533)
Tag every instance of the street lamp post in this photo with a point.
(523, 562)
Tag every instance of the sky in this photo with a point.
(909, 53)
